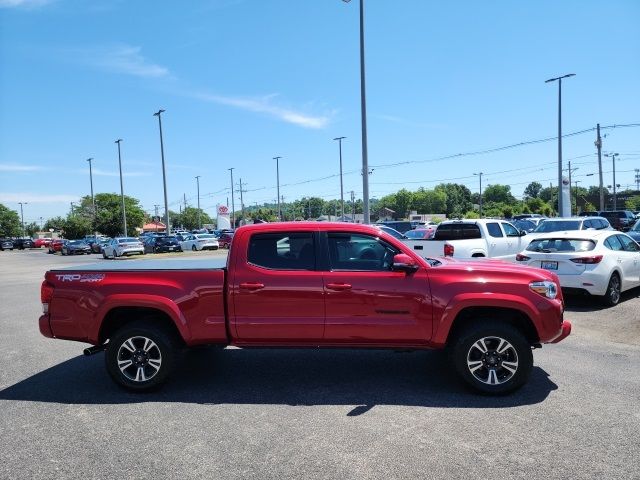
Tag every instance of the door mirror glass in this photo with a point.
(404, 263)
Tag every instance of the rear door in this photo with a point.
(632, 254)
(277, 293)
(366, 302)
(515, 243)
(496, 241)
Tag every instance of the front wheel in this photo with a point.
(492, 357)
(140, 356)
(612, 297)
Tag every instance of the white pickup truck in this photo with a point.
(473, 238)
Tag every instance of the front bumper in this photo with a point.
(565, 331)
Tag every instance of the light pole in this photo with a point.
(124, 212)
(479, 175)
(198, 187)
(559, 79)
(363, 112)
(93, 200)
(339, 139)
(164, 176)
(233, 208)
(277, 159)
(615, 195)
(22, 216)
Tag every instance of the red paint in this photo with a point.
(250, 305)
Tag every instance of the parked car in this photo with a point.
(308, 284)
(621, 220)
(224, 240)
(200, 241)
(6, 244)
(634, 232)
(41, 242)
(56, 245)
(527, 216)
(162, 244)
(391, 231)
(524, 225)
(22, 243)
(400, 225)
(122, 246)
(424, 232)
(571, 223)
(98, 246)
(602, 263)
(75, 247)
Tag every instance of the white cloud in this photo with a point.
(123, 59)
(265, 105)
(37, 198)
(7, 167)
(23, 3)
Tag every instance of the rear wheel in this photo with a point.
(492, 357)
(612, 297)
(140, 356)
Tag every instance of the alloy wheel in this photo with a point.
(492, 360)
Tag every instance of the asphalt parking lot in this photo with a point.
(314, 414)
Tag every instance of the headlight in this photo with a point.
(546, 288)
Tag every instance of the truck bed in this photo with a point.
(155, 264)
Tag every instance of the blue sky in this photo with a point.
(245, 80)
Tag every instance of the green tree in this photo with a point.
(533, 190)
(404, 199)
(188, 218)
(458, 198)
(633, 203)
(31, 228)
(55, 223)
(9, 222)
(499, 194)
(109, 213)
(77, 226)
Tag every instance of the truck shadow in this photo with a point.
(588, 303)
(288, 377)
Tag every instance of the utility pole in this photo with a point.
(339, 139)
(353, 206)
(479, 175)
(22, 217)
(198, 187)
(93, 200)
(637, 170)
(615, 195)
(164, 176)
(277, 159)
(233, 208)
(283, 208)
(124, 212)
(156, 209)
(599, 147)
(241, 199)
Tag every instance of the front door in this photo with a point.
(277, 293)
(367, 303)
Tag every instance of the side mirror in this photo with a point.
(404, 263)
(523, 233)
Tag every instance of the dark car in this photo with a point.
(401, 226)
(634, 232)
(6, 244)
(155, 244)
(524, 225)
(75, 247)
(621, 220)
(224, 240)
(22, 243)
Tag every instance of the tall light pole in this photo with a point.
(93, 200)
(615, 194)
(479, 175)
(22, 217)
(559, 79)
(339, 139)
(277, 159)
(164, 176)
(363, 112)
(198, 187)
(124, 212)
(233, 208)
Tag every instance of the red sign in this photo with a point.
(223, 210)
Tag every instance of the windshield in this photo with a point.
(77, 243)
(206, 235)
(392, 232)
(558, 226)
(128, 240)
(549, 245)
(636, 227)
(416, 233)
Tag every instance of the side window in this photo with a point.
(589, 224)
(628, 244)
(349, 251)
(605, 223)
(510, 230)
(612, 243)
(283, 251)
(494, 230)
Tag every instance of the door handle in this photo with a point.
(251, 285)
(338, 286)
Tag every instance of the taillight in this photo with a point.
(448, 250)
(522, 258)
(587, 260)
(46, 293)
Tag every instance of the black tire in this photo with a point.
(505, 364)
(150, 350)
(614, 289)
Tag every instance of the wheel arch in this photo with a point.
(511, 316)
(118, 317)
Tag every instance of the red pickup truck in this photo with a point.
(309, 285)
